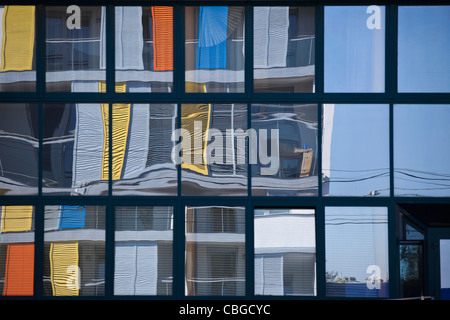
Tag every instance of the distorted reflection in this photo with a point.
(284, 49)
(285, 252)
(17, 44)
(143, 251)
(356, 246)
(286, 163)
(75, 149)
(75, 54)
(421, 156)
(213, 153)
(354, 56)
(19, 148)
(17, 250)
(74, 250)
(355, 150)
(214, 47)
(144, 48)
(142, 149)
(215, 251)
(423, 48)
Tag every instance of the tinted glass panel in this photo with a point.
(17, 250)
(355, 155)
(214, 49)
(284, 49)
(215, 251)
(283, 149)
(144, 48)
(143, 251)
(423, 49)
(285, 252)
(421, 150)
(411, 270)
(354, 49)
(142, 149)
(356, 248)
(213, 153)
(75, 48)
(75, 157)
(19, 148)
(74, 250)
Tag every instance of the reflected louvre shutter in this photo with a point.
(136, 269)
(72, 217)
(18, 38)
(17, 218)
(19, 270)
(121, 123)
(129, 41)
(212, 44)
(269, 274)
(190, 114)
(163, 38)
(64, 264)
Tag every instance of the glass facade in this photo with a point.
(174, 151)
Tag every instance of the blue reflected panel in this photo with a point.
(354, 57)
(356, 245)
(424, 49)
(421, 150)
(214, 44)
(355, 150)
(72, 217)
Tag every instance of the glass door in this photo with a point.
(440, 262)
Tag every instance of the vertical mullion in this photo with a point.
(178, 83)
(319, 51)
(110, 88)
(249, 227)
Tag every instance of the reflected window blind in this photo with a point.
(72, 217)
(193, 115)
(64, 262)
(120, 128)
(18, 38)
(212, 44)
(269, 274)
(163, 38)
(19, 270)
(17, 218)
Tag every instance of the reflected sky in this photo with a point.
(424, 49)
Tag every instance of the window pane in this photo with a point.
(285, 252)
(356, 249)
(215, 251)
(213, 149)
(75, 48)
(144, 48)
(355, 155)
(411, 270)
(214, 49)
(75, 149)
(18, 52)
(423, 49)
(17, 250)
(143, 251)
(354, 49)
(74, 250)
(142, 149)
(284, 49)
(283, 150)
(19, 148)
(420, 173)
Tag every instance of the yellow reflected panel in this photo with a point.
(17, 218)
(64, 270)
(18, 38)
(120, 128)
(190, 114)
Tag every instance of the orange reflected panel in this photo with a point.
(163, 38)
(19, 273)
